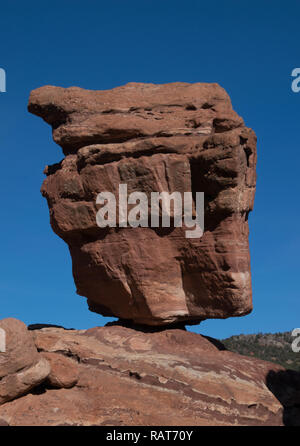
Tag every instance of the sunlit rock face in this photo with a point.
(175, 137)
(156, 376)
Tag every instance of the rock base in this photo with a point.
(121, 376)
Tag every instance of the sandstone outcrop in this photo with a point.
(173, 137)
(124, 377)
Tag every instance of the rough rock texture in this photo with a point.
(170, 377)
(173, 137)
(64, 371)
(21, 367)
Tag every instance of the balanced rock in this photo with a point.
(175, 137)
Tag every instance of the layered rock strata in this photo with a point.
(121, 376)
(154, 138)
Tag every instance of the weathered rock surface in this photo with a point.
(21, 367)
(170, 377)
(173, 137)
(64, 371)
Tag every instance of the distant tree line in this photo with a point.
(274, 347)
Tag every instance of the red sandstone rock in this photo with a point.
(64, 371)
(173, 137)
(20, 351)
(170, 377)
(21, 367)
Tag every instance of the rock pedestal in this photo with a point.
(120, 376)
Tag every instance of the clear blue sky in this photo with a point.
(248, 47)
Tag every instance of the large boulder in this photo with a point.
(21, 366)
(153, 138)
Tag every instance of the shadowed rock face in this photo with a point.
(173, 137)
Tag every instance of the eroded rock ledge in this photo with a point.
(116, 376)
(173, 137)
